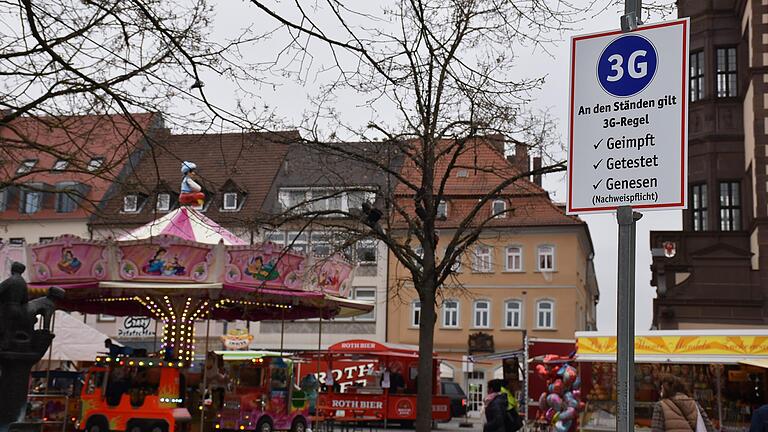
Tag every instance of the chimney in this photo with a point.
(536, 167)
(523, 160)
(497, 141)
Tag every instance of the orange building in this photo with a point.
(530, 271)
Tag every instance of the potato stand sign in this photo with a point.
(629, 119)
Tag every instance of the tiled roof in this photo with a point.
(480, 169)
(76, 139)
(248, 160)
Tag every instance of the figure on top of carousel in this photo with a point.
(191, 191)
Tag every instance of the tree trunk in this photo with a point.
(426, 346)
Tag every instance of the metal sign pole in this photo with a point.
(625, 381)
(632, 15)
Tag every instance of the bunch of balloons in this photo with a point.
(560, 404)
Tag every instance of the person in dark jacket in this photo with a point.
(760, 420)
(495, 408)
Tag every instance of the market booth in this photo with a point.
(720, 368)
(364, 380)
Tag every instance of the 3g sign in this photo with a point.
(627, 65)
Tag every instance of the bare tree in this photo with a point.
(112, 59)
(446, 69)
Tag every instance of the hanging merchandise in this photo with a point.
(560, 404)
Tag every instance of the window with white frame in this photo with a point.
(297, 242)
(481, 314)
(163, 202)
(545, 314)
(546, 261)
(415, 313)
(230, 201)
(60, 165)
(26, 166)
(31, 200)
(321, 243)
(483, 259)
(323, 199)
(514, 261)
(442, 210)
(450, 313)
(366, 252)
(513, 314)
(499, 208)
(276, 237)
(95, 163)
(131, 203)
(67, 197)
(367, 295)
(456, 265)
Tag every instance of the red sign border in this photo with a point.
(683, 131)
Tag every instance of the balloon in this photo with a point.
(543, 401)
(570, 400)
(542, 371)
(554, 401)
(550, 413)
(557, 386)
(582, 405)
(563, 426)
(576, 383)
(568, 414)
(577, 394)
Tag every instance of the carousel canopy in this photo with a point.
(188, 224)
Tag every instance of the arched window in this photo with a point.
(545, 314)
(546, 258)
(481, 314)
(513, 314)
(514, 260)
(451, 313)
(415, 313)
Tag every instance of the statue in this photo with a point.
(21, 346)
(191, 191)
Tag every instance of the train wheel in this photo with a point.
(97, 424)
(264, 425)
(299, 425)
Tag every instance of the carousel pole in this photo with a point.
(319, 363)
(205, 373)
(154, 340)
(282, 331)
(50, 359)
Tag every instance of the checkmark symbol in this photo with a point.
(597, 145)
(594, 186)
(597, 164)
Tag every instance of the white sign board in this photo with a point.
(628, 138)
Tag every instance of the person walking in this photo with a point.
(677, 411)
(760, 420)
(495, 408)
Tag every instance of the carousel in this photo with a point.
(183, 268)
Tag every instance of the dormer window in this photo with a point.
(60, 165)
(131, 203)
(26, 166)
(230, 201)
(499, 209)
(442, 210)
(95, 164)
(163, 202)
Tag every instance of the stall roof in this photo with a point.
(247, 355)
(679, 346)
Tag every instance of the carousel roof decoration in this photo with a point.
(184, 267)
(188, 224)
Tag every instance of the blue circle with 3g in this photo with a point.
(627, 65)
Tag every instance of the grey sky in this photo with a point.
(288, 101)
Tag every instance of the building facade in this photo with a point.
(61, 168)
(714, 273)
(530, 272)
